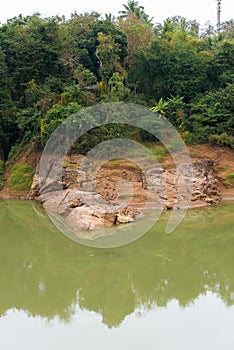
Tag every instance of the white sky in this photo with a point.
(201, 10)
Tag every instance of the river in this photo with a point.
(163, 291)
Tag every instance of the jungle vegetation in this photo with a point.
(53, 67)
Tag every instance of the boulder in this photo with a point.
(83, 219)
(123, 219)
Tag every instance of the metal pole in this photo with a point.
(218, 15)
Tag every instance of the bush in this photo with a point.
(54, 117)
(21, 177)
(223, 140)
(212, 114)
(175, 110)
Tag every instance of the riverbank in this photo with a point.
(219, 181)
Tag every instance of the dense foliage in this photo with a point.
(52, 67)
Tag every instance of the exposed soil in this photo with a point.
(223, 165)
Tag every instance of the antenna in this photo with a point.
(218, 15)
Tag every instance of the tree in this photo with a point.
(54, 117)
(221, 64)
(84, 77)
(171, 67)
(117, 88)
(212, 113)
(172, 24)
(133, 9)
(79, 42)
(5, 96)
(188, 67)
(82, 39)
(149, 71)
(139, 36)
(115, 34)
(227, 28)
(107, 54)
(208, 30)
(8, 131)
(50, 67)
(109, 17)
(32, 48)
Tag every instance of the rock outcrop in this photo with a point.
(93, 202)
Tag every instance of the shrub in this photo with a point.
(160, 152)
(212, 114)
(221, 140)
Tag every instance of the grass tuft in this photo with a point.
(229, 179)
(21, 178)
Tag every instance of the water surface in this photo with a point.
(164, 291)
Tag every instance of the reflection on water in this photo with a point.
(47, 275)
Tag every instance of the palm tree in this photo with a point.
(171, 24)
(133, 9)
(109, 18)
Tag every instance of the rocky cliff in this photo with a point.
(85, 201)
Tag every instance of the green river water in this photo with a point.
(161, 292)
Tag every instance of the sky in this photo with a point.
(200, 10)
